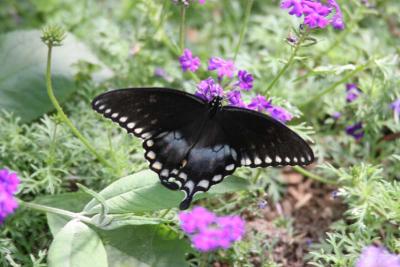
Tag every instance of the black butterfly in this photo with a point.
(192, 144)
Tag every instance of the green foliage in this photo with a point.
(133, 38)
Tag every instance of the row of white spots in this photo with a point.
(245, 161)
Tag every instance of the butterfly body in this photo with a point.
(191, 144)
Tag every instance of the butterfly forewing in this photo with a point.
(146, 112)
(262, 141)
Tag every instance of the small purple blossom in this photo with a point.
(372, 256)
(235, 99)
(209, 232)
(356, 130)
(262, 204)
(9, 183)
(259, 103)
(396, 106)
(336, 115)
(352, 92)
(316, 14)
(208, 89)
(223, 67)
(245, 80)
(279, 114)
(188, 62)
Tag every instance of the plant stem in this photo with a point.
(290, 60)
(336, 84)
(182, 29)
(244, 27)
(57, 211)
(204, 260)
(313, 176)
(165, 213)
(64, 117)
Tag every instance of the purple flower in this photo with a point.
(208, 89)
(188, 62)
(316, 14)
(245, 80)
(235, 99)
(337, 19)
(9, 183)
(336, 115)
(279, 114)
(259, 103)
(352, 92)
(396, 106)
(209, 232)
(355, 130)
(223, 67)
(372, 256)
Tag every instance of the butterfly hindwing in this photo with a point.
(262, 141)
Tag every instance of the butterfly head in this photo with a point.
(215, 104)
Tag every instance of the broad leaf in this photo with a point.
(77, 245)
(114, 221)
(143, 192)
(68, 201)
(153, 245)
(22, 72)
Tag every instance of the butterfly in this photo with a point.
(193, 144)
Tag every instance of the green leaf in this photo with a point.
(143, 192)
(22, 72)
(154, 245)
(77, 245)
(114, 221)
(69, 201)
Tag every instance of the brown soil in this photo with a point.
(310, 206)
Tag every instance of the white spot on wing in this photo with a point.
(114, 115)
(189, 185)
(97, 102)
(183, 175)
(150, 143)
(302, 159)
(204, 184)
(102, 107)
(230, 167)
(287, 159)
(268, 160)
(295, 159)
(138, 130)
(278, 159)
(123, 119)
(164, 173)
(131, 125)
(151, 155)
(146, 135)
(234, 154)
(157, 165)
(107, 111)
(257, 161)
(247, 162)
(217, 178)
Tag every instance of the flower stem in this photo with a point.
(204, 260)
(64, 117)
(289, 62)
(244, 27)
(336, 84)
(182, 29)
(47, 209)
(313, 176)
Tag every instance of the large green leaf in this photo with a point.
(151, 245)
(22, 72)
(68, 201)
(77, 245)
(143, 192)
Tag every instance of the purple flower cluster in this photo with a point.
(188, 62)
(239, 81)
(9, 183)
(356, 130)
(372, 256)
(353, 92)
(316, 14)
(209, 232)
